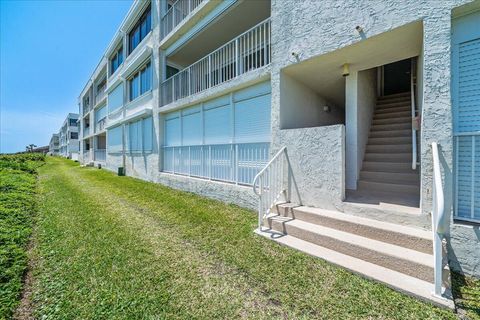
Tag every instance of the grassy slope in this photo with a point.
(17, 208)
(117, 247)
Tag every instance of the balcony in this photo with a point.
(86, 132)
(100, 95)
(249, 51)
(100, 125)
(232, 163)
(100, 155)
(176, 14)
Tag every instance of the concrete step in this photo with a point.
(401, 114)
(396, 126)
(392, 109)
(388, 157)
(388, 187)
(385, 148)
(402, 120)
(387, 166)
(407, 261)
(396, 280)
(394, 96)
(408, 237)
(385, 105)
(391, 177)
(390, 133)
(389, 140)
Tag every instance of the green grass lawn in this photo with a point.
(17, 210)
(121, 248)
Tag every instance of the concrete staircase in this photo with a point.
(387, 170)
(396, 255)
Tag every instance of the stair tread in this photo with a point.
(387, 184)
(378, 224)
(397, 280)
(392, 250)
(391, 181)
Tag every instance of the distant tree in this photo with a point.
(30, 147)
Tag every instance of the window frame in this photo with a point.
(137, 76)
(117, 58)
(146, 17)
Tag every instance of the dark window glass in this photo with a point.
(73, 122)
(141, 82)
(140, 30)
(73, 135)
(116, 60)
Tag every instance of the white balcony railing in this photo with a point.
(249, 51)
(86, 131)
(87, 155)
(100, 125)
(234, 163)
(176, 14)
(100, 95)
(100, 155)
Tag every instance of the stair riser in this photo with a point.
(389, 177)
(401, 114)
(403, 120)
(387, 127)
(366, 231)
(391, 133)
(388, 167)
(381, 148)
(404, 266)
(392, 110)
(386, 104)
(390, 140)
(389, 157)
(384, 187)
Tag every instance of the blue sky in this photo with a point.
(48, 50)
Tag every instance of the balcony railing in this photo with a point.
(86, 131)
(100, 155)
(100, 125)
(100, 95)
(86, 155)
(249, 51)
(176, 14)
(234, 163)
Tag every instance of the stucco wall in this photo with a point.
(317, 159)
(302, 107)
(312, 28)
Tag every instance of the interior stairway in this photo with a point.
(396, 255)
(387, 172)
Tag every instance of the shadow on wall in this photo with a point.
(303, 107)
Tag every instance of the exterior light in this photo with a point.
(346, 70)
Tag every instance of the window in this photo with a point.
(116, 60)
(100, 113)
(115, 99)
(114, 140)
(101, 86)
(72, 122)
(140, 135)
(73, 135)
(141, 82)
(140, 30)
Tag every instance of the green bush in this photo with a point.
(17, 209)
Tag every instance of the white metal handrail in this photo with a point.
(414, 114)
(249, 51)
(176, 14)
(273, 184)
(439, 221)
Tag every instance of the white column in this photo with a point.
(351, 131)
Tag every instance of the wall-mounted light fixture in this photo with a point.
(346, 70)
(296, 56)
(326, 108)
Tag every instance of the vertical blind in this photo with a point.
(114, 139)
(140, 135)
(115, 98)
(241, 117)
(100, 113)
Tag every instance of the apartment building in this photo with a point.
(68, 137)
(349, 125)
(54, 145)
